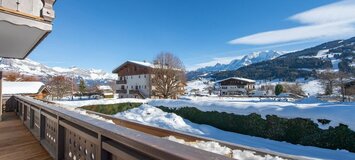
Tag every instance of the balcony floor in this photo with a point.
(16, 142)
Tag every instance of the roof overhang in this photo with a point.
(127, 62)
(19, 35)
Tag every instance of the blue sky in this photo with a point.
(104, 34)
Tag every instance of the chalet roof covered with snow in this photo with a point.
(144, 64)
(22, 87)
(237, 78)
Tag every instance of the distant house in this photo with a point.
(106, 91)
(135, 80)
(350, 88)
(235, 86)
(33, 89)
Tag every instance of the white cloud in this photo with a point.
(330, 21)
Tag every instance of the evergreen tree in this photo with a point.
(82, 87)
(278, 89)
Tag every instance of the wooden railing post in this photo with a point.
(60, 140)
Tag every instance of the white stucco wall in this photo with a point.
(32, 7)
(142, 81)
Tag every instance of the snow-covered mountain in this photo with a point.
(254, 57)
(30, 67)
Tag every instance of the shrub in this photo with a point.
(278, 89)
(111, 108)
(296, 130)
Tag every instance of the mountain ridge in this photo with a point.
(33, 68)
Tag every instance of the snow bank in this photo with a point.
(150, 115)
(312, 88)
(215, 147)
(80, 103)
(312, 109)
(153, 116)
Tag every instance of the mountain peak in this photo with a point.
(248, 59)
(30, 67)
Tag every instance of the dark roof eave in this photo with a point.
(119, 67)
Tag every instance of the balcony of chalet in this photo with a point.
(121, 82)
(34, 129)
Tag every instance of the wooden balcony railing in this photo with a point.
(121, 82)
(68, 134)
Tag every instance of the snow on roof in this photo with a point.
(147, 64)
(104, 87)
(237, 78)
(21, 87)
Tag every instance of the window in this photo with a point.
(131, 87)
(135, 68)
(145, 87)
(131, 77)
(139, 76)
(145, 76)
(122, 87)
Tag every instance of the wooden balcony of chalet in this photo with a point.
(33, 129)
(17, 142)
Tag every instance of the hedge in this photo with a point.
(111, 108)
(296, 130)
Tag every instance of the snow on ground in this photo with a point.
(312, 87)
(310, 107)
(200, 85)
(313, 109)
(80, 103)
(153, 116)
(215, 147)
(150, 115)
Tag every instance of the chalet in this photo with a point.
(32, 89)
(106, 91)
(135, 80)
(235, 86)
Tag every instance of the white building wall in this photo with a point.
(232, 88)
(32, 7)
(134, 82)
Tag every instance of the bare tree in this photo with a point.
(328, 79)
(342, 79)
(268, 88)
(12, 76)
(60, 86)
(293, 88)
(168, 74)
(30, 78)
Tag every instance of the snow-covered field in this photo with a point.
(307, 108)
